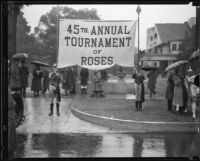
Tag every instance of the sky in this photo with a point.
(149, 16)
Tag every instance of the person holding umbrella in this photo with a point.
(36, 85)
(54, 90)
(151, 85)
(178, 91)
(170, 90)
(15, 80)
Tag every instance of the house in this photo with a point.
(165, 42)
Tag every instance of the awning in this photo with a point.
(154, 57)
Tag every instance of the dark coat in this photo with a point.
(65, 79)
(15, 81)
(36, 81)
(46, 79)
(104, 75)
(170, 88)
(84, 76)
(141, 79)
(185, 93)
(12, 139)
(71, 78)
(24, 73)
(152, 77)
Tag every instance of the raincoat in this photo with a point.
(24, 73)
(178, 92)
(15, 81)
(36, 81)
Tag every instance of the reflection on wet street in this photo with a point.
(108, 145)
(41, 136)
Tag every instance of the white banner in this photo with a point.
(95, 44)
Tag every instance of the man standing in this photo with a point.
(24, 74)
(54, 90)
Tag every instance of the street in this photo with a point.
(67, 136)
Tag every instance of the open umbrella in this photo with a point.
(36, 62)
(176, 64)
(148, 68)
(20, 56)
(195, 54)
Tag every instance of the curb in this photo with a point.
(137, 126)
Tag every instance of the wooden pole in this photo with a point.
(57, 36)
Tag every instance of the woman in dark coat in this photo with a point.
(46, 80)
(151, 85)
(139, 92)
(170, 91)
(66, 81)
(84, 80)
(36, 85)
(71, 80)
(24, 73)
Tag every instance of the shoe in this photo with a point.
(57, 107)
(51, 109)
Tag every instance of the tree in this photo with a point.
(24, 39)
(13, 11)
(46, 30)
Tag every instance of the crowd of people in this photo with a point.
(181, 91)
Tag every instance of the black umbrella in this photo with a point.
(36, 62)
(148, 68)
(20, 56)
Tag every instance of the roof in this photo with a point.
(172, 31)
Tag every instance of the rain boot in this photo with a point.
(57, 107)
(51, 109)
(140, 106)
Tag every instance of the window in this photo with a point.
(181, 47)
(151, 38)
(155, 36)
(174, 47)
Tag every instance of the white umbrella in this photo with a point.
(176, 64)
(36, 62)
(20, 56)
(195, 54)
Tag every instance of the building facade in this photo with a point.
(165, 42)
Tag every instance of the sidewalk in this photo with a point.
(115, 111)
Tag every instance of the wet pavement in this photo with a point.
(67, 136)
(108, 145)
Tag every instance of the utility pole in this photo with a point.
(138, 10)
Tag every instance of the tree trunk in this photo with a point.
(12, 24)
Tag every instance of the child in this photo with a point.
(139, 92)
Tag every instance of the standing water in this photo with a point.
(108, 145)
